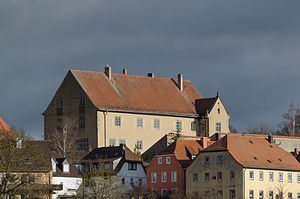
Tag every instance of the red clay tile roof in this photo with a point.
(138, 93)
(255, 152)
(183, 149)
(4, 126)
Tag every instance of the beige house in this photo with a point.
(241, 166)
(111, 109)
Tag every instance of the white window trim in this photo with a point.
(159, 160)
(168, 158)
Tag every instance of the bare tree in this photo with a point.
(99, 182)
(63, 136)
(290, 121)
(259, 128)
(232, 129)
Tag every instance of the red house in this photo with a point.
(166, 171)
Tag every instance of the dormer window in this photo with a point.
(66, 168)
(53, 165)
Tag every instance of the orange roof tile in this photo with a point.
(3, 125)
(182, 149)
(138, 93)
(255, 152)
(205, 104)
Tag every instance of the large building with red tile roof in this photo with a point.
(166, 171)
(109, 109)
(243, 166)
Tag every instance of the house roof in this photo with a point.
(138, 93)
(205, 104)
(107, 154)
(4, 126)
(255, 152)
(74, 172)
(183, 150)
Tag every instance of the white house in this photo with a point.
(66, 174)
(126, 165)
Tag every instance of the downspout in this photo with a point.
(104, 114)
(244, 183)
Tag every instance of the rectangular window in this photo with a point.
(154, 193)
(168, 160)
(81, 122)
(261, 175)
(271, 195)
(202, 127)
(156, 124)
(132, 165)
(232, 194)
(218, 127)
(206, 159)
(271, 176)
(298, 178)
(298, 195)
(280, 177)
(164, 193)
(206, 177)
(290, 195)
(81, 101)
(261, 194)
(232, 176)
(219, 176)
(178, 125)
(139, 122)
(251, 194)
(122, 141)
(289, 178)
(173, 176)
(219, 159)
(163, 176)
(206, 194)
(131, 182)
(159, 160)
(82, 144)
(153, 178)
(123, 180)
(219, 194)
(193, 126)
(195, 177)
(112, 141)
(251, 175)
(59, 104)
(139, 144)
(117, 121)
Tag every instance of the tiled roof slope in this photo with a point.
(255, 152)
(205, 104)
(183, 149)
(3, 125)
(138, 93)
(104, 154)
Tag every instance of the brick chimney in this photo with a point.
(270, 139)
(125, 71)
(150, 74)
(107, 70)
(180, 82)
(204, 142)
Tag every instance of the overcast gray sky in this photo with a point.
(247, 50)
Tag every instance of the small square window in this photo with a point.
(139, 122)
(168, 160)
(132, 166)
(159, 160)
(156, 124)
(117, 121)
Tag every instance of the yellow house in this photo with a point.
(111, 109)
(244, 167)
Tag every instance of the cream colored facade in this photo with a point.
(235, 178)
(100, 126)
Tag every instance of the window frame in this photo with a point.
(271, 176)
(173, 176)
(139, 122)
(153, 177)
(168, 160)
(178, 125)
(280, 177)
(156, 124)
(117, 121)
(159, 160)
(163, 176)
(261, 175)
(193, 126)
(251, 175)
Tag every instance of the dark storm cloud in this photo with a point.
(247, 50)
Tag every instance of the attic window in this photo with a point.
(271, 146)
(186, 86)
(269, 161)
(280, 160)
(251, 141)
(255, 158)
